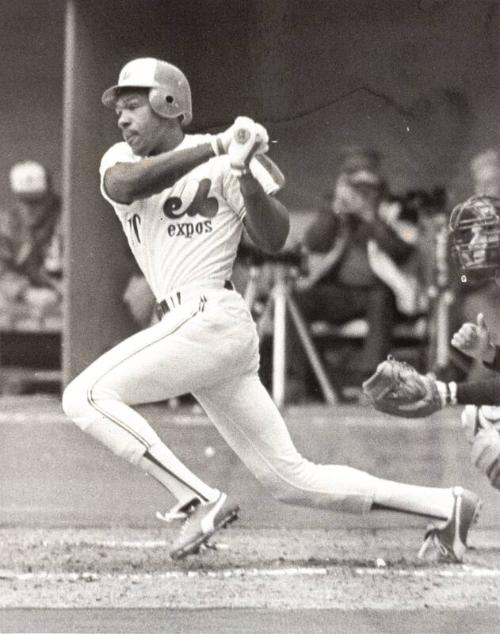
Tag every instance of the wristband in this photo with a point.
(217, 146)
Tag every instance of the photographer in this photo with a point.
(358, 242)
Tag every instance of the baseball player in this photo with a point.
(183, 201)
(398, 389)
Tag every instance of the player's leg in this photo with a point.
(99, 400)
(152, 366)
(129, 435)
(258, 434)
(260, 437)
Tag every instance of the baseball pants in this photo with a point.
(208, 345)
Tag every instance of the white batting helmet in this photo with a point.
(169, 91)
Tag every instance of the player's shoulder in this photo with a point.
(120, 149)
(192, 140)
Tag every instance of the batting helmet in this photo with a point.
(475, 234)
(169, 91)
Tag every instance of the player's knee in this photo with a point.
(75, 403)
(83, 404)
(71, 400)
(286, 494)
(281, 489)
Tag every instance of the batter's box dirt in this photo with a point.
(254, 568)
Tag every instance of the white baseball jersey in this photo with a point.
(188, 233)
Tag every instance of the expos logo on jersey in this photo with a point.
(185, 202)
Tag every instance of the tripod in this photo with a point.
(280, 300)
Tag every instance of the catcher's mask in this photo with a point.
(169, 91)
(475, 236)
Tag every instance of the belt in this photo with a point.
(181, 296)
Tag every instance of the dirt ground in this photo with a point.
(79, 544)
(263, 568)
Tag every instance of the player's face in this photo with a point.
(141, 127)
(478, 245)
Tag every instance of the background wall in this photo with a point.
(415, 78)
(31, 74)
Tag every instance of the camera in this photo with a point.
(293, 258)
(420, 201)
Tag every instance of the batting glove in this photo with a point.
(263, 138)
(250, 138)
(220, 142)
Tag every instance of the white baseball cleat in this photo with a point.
(450, 539)
(201, 522)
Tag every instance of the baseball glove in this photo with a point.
(482, 429)
(397, 388)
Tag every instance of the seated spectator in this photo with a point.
(358, 241)
(31, 251)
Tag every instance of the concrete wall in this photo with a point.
(415, 78)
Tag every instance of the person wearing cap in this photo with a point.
(357, 245)
(30, 250)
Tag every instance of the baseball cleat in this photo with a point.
(450, 539)
(201, 523)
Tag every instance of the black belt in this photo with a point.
(164, 307)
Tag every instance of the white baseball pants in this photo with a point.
(208, 346)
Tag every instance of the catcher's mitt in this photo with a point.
(397, 388)
(482, 429)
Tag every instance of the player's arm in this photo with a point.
(485, 392)
(266, 218)
(126, 182)
(267, 221)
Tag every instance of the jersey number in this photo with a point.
(134, 224)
